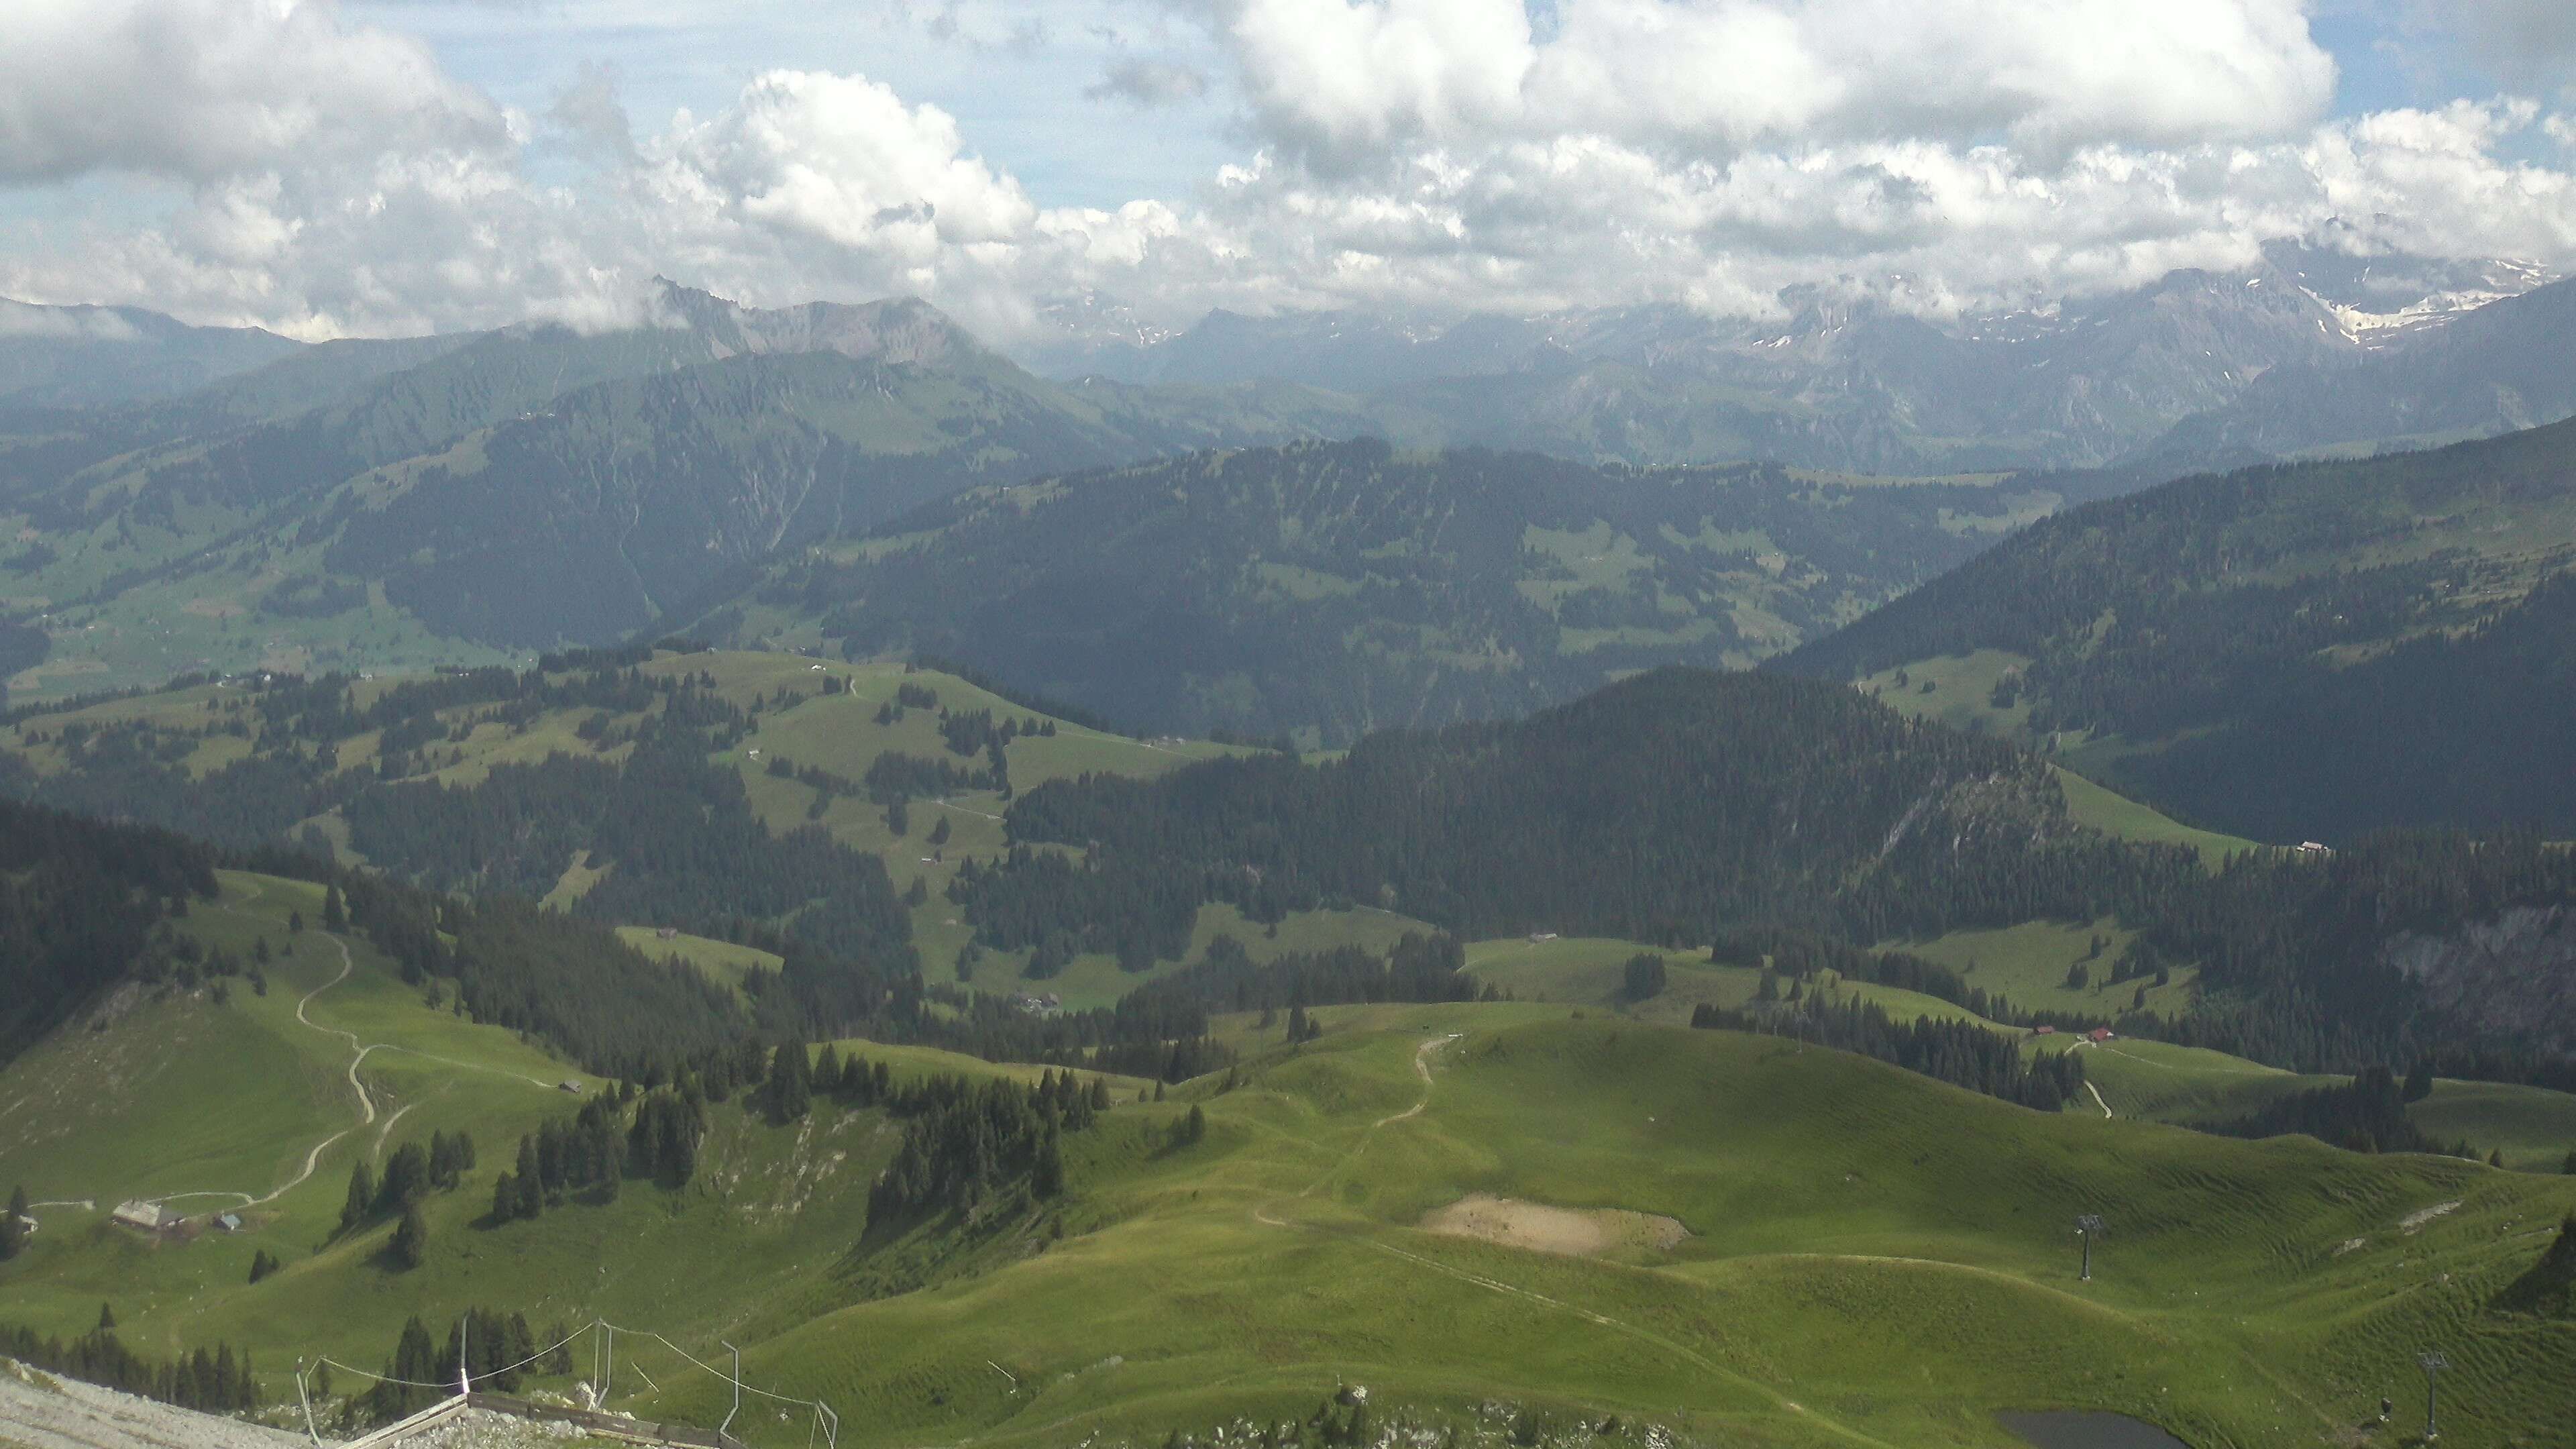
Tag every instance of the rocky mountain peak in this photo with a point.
(894, 329)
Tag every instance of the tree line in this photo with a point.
(966, 1144)
(217, 1382)
(1962, 1053)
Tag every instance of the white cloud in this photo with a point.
(843, 159)
(1340, 82)
(591, 115)
(1430, 153)
(201, 89)
(17, 319)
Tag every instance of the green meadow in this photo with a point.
(1562, 1202)
(1837, 1253)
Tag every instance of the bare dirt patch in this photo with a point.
(1568, 1232)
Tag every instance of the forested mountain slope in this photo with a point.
(1681, 805)
(2290, 653)
(764, 800)
(79, 902)
(93, 916)
(1330, 589)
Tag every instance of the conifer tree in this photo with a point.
(106, 1319)
(1046, 1175)
(1644, 976)
(790, 1088)
(13, 1227)
(362, 1197)
(410, 1245)
(335, 912)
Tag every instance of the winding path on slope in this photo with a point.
(366, 1102)
(1422, 1068)
(359, 1051)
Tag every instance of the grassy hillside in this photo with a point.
(162, 756)
(1834, 1218)
(2291, 653)
(2030, 964)
(2133, 1077)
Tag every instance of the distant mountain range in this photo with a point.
(98, 356)
(395, 504)
(176, 498)
(2151, 378)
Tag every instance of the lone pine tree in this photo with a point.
(410, 1246)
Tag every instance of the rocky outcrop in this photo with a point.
(2512, 977)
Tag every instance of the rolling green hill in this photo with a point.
(1330, 589)
(901, 820)
(1533, 1215)
(249, 765)
(2298, 653)
(1469, 1210)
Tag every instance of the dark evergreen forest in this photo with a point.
(1327, 587)
(1688, 808)
(1665, 809)
(2322, 649)
(80, 908)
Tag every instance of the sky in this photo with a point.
(1118, 167)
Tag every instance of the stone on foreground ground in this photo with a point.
(47, 1411)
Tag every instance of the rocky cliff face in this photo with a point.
(2514, 976)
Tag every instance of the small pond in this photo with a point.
(2073, 1429)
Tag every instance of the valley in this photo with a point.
(1545, 1201)
(1888, 871)
(833, 476)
